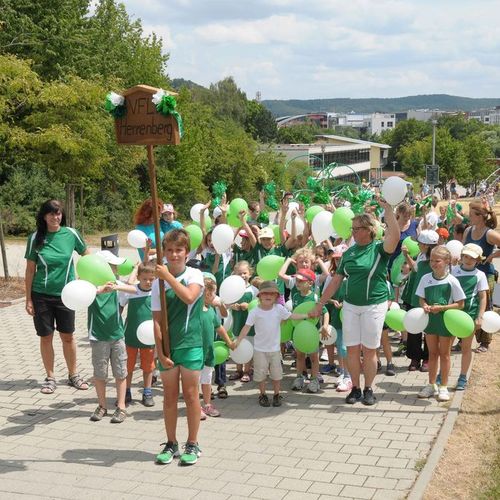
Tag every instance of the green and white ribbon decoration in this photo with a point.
(166, 104)
(115, 105)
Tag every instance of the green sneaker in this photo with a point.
(170, 451)
(191, 453)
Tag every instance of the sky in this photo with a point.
(291, 49)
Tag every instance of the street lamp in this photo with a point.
(434, 123)
(394, 165)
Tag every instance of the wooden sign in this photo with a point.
(142, 124)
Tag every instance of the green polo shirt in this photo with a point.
(209, 324)
(472, 282)
(138, 311)
(103, 319)
(54, 260)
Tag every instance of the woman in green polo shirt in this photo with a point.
(364, 265)
(49, 266)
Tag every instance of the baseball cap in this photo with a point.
(473, 250)
(266, 232)
(428, 237)
(339, 250)
(209, 276)
(268, 286)
(305, 275)
(243, 234)
(442, 231)
(167, 207)
(110, 257)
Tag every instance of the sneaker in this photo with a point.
(425, 367)
(428, 391)
(191, 454)
(324, 355)
(401, 350)
(414, 365)
(264, 401)
(355, 396)
(320, 378)
(170, 451)
(326, 369)
(369, 398)
(203, 415)
(298, 383)
(462, 383)
(390, 371)
(211, 411)
(313, 386)
(98, 414)
(128, 398)
(443, 394)
(147, 399)
(339, 380)
(118, 416)
(379, 366)
(277, 400)
(457, 347)
(344, 385)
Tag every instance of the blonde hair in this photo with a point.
(240, 264)
(305, 253)
(368, 221)
(256, 282)
(210, 286)
(443, 252)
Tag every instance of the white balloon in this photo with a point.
(77, 295)
(293, 205)
(217, 211)
(491, 322)
(299, 226)
(455, 248)
(289, 305)
(232, 289)
(228, 321)
(416, 320)
(321, 226)
(146, 333)
(394, 190)
(222, 238)
(394, 306)
(332, 336)
(195, 211)
(137, 239)
(243, 353)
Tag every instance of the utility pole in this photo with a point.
(434, 123)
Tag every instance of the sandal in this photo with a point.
(245, 378)
(481, 349)
(48, 386)
(222, 392)
(77, 382)
(236, 376)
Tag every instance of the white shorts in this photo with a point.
(206, 375)
(267, 362)
(363, 324)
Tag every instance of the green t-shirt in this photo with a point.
(139, 310)
(365, 268)
(259, 252)
(239, 254)
(240, 317)
(184, 320)
(472, 282)
(423, 267)
(103, 320)
(335, 320)
(54, 260)
(224, 269)
(209, 323)
(439, 292)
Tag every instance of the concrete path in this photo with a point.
(313, 447)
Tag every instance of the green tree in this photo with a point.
(478, 153)
(403, 134)
(228, 101)
(259, 122)
(492, 136)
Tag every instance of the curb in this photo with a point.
(424, 478)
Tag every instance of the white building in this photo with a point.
(380, 122)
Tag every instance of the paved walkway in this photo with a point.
(313, 447)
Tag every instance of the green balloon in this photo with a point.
(412, 246)
(269, 267)
(458, 323)
(311, 212)
(396, 268)
(306, 337)
(394, 319)
(208, 223)
(94, 269)
(126, 268)
(221, 352)
(253, 304)
(286, 330)
(305, 308)
(195, 235)
(342, 222)
(277, 235)
(233, 219)
(380, 232)
(341, 314)
(237, 205)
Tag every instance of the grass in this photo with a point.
(420, 464)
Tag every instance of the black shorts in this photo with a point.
(51, 313)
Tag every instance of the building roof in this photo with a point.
(354, 141)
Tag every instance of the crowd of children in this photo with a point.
(191, 278)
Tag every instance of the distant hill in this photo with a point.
(177, 83)
(444, 102)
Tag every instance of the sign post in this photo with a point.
(432, 176)
(142, 124)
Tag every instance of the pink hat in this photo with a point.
(167, 207)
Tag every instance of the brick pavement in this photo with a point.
(313, 447)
